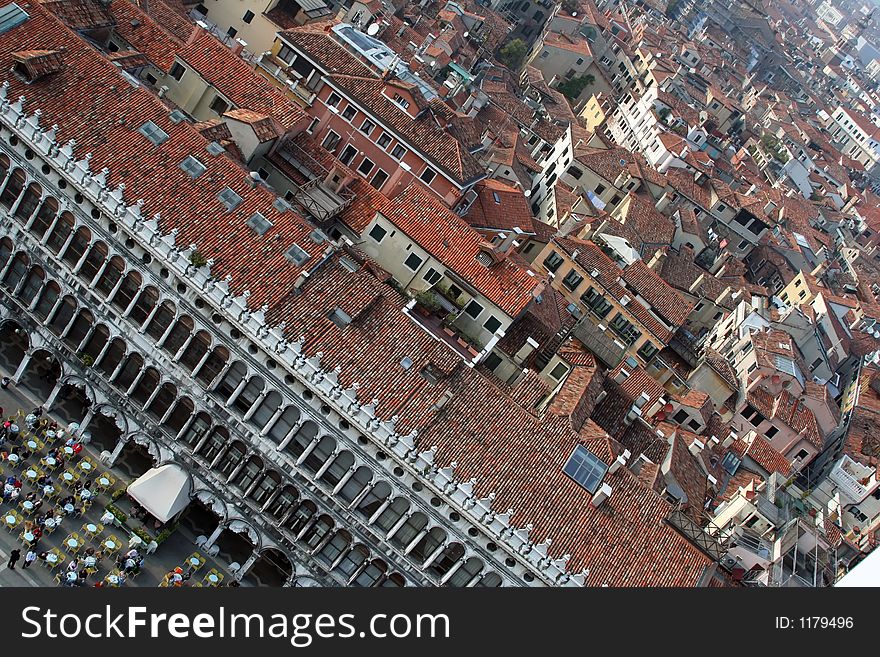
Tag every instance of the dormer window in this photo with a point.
(401, 101)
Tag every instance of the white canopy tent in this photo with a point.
(163, 492)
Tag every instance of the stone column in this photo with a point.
(22, 366)
(214, 536)
(246, 566)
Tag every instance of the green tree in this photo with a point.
(512, 53)
(572, 88)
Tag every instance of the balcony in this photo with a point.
(277, 73)
(851, 478)
(314, 194)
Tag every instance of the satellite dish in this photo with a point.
(373, 29)
(465, 35)
(527, 193)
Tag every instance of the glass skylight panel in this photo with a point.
(193, 167)
(259, 223)
(229, 198)
(297, 255)
(154, 133)
(585, 468)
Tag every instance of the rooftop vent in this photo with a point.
(297, 255)
(177, 116)
(193, 167)
(154, 133)
(214, 148)
(339, 317)
(230, 198)
(259, 224)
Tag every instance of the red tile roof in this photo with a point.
(499, 206)
(515, 454)
(761, 452)
(236, 80)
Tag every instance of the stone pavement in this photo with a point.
(171, 553)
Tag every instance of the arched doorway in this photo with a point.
(41, 375)
(272, 568)
(72, 402)
(135, 459)
(105, 432)
(14, 343)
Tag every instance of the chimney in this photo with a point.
(656, 261)
(525, 351)
(698, 281)
(601, 495)
(619, 462)
(696, 447)
(240, 45)
(731, 438)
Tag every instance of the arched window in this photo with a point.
(249, 473)
(110, 276)
(333, 548)
(232, 458)
(183, 328)
(353, 560)
(392, 513)
(32, 284)
(301, 516)
(162, 401)
(64, 315)
(94, 261)
(161, 320)
(112, 357)
(374, 499)
(409, 530)
(146, 301)
(20, 266)
(145, 387)
(249, 394)
(132, 366)
(213, 366)
(80, 328)
(5, 251)
(63, 229)
(216, 443)
(95, 344)
(13, 188)
(372, 574)
(450, 556)
(488, 580)
(268, 485)
(284, 502)
(4, 166)
(318, 531)
(356, 484)
(271, 403)
(228, 384)
(196, 350)
(430, 542)
(29, 202)
(183, 410)
(394, 580)
(48, 299)
(288, 419)
(466, 573)
(77, 247)
(319, 454)
(127, 291)
(337, 470)
(44, 218)
(303, 438)
(197, 429)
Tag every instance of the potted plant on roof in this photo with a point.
(427, 303)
